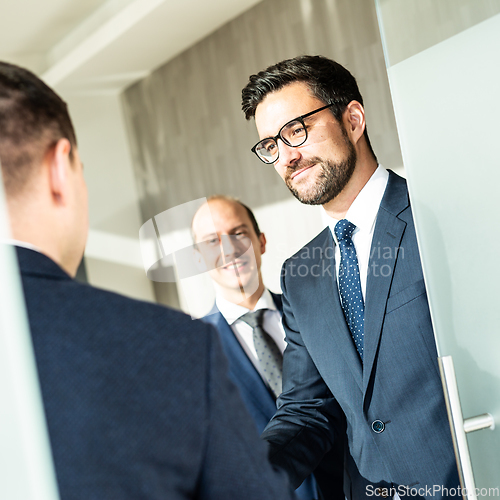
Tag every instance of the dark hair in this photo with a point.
(329, 81)
(32, 119)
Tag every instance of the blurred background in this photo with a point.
(154, 90)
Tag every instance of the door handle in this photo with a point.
(484, 421)
(459, 426)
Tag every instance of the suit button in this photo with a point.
(378, 426)
(381, 492)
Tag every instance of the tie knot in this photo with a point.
(344, 229)
(254, 318)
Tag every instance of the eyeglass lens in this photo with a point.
(292, 134)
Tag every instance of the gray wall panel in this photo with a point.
(189, 138)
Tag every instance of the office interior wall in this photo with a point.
(189, 138)
(112, 256)
(104, 151)
(119, 278)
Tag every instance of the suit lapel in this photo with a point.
(241, 368)
(278, 302)
(331, 322)
(384, 252)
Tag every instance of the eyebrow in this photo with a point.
(231, 231)
(241, 226)
(298, 118)
(205, 237)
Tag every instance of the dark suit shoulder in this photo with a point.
(78, 304)
(319, 241)
(396, 200)
(83, 331)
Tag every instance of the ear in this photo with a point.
(354, 121)
(262, 240)
(58, 164)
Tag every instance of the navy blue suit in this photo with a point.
(258, 398)
(396, 391)
(137, 398)
(261, 402)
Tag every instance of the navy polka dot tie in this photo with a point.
(350, 283)
(268, 354)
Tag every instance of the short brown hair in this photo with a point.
(32, 119)
(328, 81)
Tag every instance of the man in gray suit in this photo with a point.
(360, 338)
(137, 398)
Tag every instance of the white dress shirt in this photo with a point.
(244, 332)
(363, 214)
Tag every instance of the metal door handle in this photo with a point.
(484, 421)
(459, 426)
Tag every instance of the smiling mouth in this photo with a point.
(234, 265)
(298, 172)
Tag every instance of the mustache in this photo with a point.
(303, 164)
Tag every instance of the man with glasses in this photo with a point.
(359, 333)
(136, 396)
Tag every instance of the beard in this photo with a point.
(330, 181)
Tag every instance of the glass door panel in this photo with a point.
(26, 469)
(443, 63)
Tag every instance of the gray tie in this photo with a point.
(268, 354)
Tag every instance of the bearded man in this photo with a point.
(360, 342)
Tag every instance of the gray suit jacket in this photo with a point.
(396, 391)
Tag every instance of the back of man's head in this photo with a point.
(32, 119)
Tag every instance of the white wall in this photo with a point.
(113, 205)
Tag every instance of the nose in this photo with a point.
(229, 249)
(288, 154)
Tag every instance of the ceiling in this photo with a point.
(89, 51)
(96, 46)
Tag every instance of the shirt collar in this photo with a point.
(22, 244)
(363, 210)
(233, 312)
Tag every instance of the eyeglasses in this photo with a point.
(293, 134)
